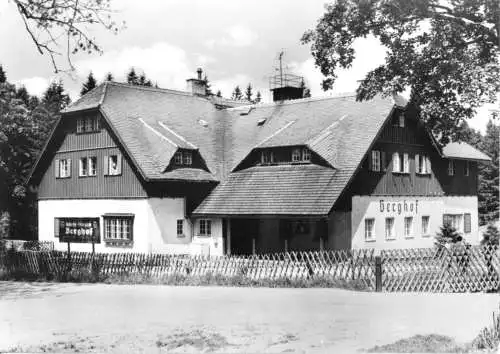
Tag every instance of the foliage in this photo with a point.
(218, 94)
(138, 80)
(489, 337)
(249, 93)
(237, 94)
(491, 236)
(51, 24)
(258, 97)
(208, 86)
(431, 343)
(445, 53)
(306, 90)
(109, 77)
(3, 77)
(448, 235)
(89, 85)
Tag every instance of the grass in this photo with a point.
(431, 343)
(196, 339)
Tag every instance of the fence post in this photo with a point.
(378, 273)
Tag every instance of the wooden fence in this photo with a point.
(420, 270)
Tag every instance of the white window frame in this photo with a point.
(83, 167)
(457, 221)
(205, 227)
(178, 158)
(118, 228)
(391, 235)
(306, 155)
(80, 125)
(396, 163)
(426, 229)
(401, 120)
(92, 166)
(408, 226)
(113, 171)
(267, 157)
(296, 156)
(451, 167)
(187, 158)
(64, 168)
(406, 163)
(370, 231)
(376, 161)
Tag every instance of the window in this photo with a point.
(401, 120)
(425, 225)
(389, 229)
(113, 165)
(83, 171)
(454, 220)
(375, 165)
(267, 157)
(466, 168)
(118, 229)
(187, 158)
(306, 154)
(396, 163)
(369, 229)
(63, 168)
(178, 158)
(467, 223)
(180, 227)
(408, 226)
(422, 164)
(406, 163)
(87, 124)
(87, 166)
(205, 227)
(296, 155)
(451, 167)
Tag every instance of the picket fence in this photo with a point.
(465, 269)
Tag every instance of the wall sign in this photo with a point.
(405, 206)
(79, 230)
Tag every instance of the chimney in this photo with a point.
(286, 86)
(197, 86)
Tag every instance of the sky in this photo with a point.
(235, 42)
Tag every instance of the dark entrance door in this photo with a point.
(243, 231)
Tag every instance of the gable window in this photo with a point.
(187, 158)
(425, 225)
(422, 164)
(451, 167)
(205, 227)
(180, 228)
(63, 168)
(466, 168)
(178, 158)
(87, 166)
(370, 229)
(408, 226)
(118, 229)
(376, 161)
(401, 120)
(296, 155)
(400, 163)
(306, 154)
(87, 124)
(113, 165)
(266, 157)
(389, 229)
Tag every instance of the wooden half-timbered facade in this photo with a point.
(152, 170)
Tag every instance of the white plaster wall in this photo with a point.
(50, 209)
(370, 207)
(208, 245)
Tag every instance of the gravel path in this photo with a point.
(118, 318)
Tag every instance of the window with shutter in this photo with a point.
(406, 164)
(418, 166)
(467, 223)
(375, 161)
(451, 168)
(395, 162)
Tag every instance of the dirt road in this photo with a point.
(118, 318)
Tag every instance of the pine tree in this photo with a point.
(208, 86)
(54, 98)
(249, 93)
(143, 81)
(491, 236)
(3, 76)
(218, 94)
(488, 198)
(89, 85)
(237, 95)
(132, 77)
(306, 93)
(23, 95)
(448, 235)
(258, 97)
(109, 77)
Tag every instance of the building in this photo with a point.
(153, 170)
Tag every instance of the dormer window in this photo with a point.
(266, 157)
(306, 154)
(296, 156)
(87, 125)
(184, 158)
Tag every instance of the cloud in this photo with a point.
(162, 63)
(35, 85)
(235, 36)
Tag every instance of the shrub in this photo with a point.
(489, 337)
(491, 236)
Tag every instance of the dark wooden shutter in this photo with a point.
(383, 158)
(467, 223)
(370, 161)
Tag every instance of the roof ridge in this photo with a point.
(290, 102)
(155, 89)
